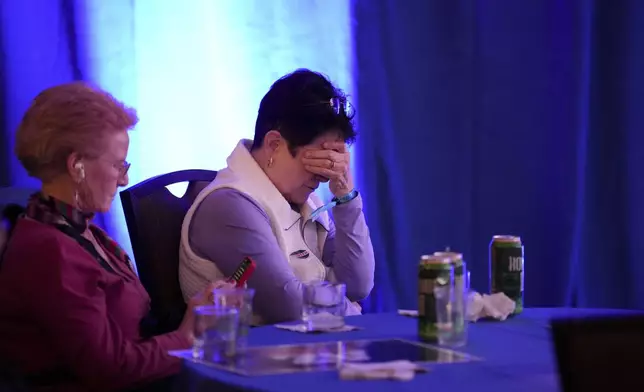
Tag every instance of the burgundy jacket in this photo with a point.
(61, 312)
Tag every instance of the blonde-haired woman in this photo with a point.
(71, 307)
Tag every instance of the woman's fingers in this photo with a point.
(323, 169)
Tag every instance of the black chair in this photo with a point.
(14, 195)
(154, 217)
(600, 353)
(13, 201)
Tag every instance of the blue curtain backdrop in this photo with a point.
(476, 117)
(506, 117)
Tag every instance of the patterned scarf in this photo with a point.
(52, 211)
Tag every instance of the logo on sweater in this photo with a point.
(301, 254)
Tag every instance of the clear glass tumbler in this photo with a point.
(451, 310)
(323, 305)
(215, 332)
(242, 300)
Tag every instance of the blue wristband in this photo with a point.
(336, 201)
(346, 198)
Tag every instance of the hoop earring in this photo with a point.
(270, 162)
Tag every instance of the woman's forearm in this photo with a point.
(349, 250)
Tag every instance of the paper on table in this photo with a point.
(408, 312)
(394, 370)
(304, 328)
(308, 359)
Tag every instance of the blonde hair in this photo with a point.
(65, 119)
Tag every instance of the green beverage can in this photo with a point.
(434, 271)
(460, 294)
(506, 268)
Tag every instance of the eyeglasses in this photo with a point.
(122, 167)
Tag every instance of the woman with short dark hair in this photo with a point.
(262, 205)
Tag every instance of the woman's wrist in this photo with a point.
(346, 197)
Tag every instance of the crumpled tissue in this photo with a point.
(497, 306)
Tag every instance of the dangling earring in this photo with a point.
(270, 162)
(81, 177)
(76, 199)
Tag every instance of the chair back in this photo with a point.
(600, 353)
(154, 217)
(14, 195)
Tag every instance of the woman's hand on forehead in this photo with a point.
(332, 161)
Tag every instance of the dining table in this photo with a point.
(515, 354)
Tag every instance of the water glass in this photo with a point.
(215, 332)
(323, 305)
(242, 300)
(451, 310)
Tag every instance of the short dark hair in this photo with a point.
(302, 106)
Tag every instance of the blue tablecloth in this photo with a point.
(517, 356)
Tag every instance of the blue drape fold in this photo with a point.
(499, 117)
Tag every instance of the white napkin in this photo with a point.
(394, 370)
(304, 329)
(408, 312)
(353, 309)
(311, 358)
(498, 306)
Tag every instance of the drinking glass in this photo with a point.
(451, 310)
(215, 332)
(240, 299)
(323, 305)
